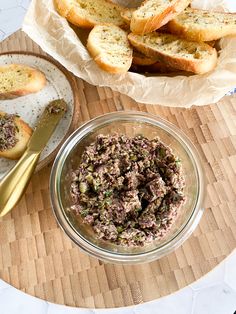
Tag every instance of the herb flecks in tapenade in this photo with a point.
(8, 131)
(128, 189)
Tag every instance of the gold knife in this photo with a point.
(14, 184)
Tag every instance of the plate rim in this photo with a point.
(76, 104)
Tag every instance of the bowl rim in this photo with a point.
(59, 212)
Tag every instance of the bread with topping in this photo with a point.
(109, 46)
(88, 13)
(19, 80)
(176, 52)
(127, 15)
(152, 14)
(201, 25)
(14, 136)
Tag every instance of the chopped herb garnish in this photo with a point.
(108, 193)
(84, 212)
(177, 161)
(162, 152)
(120, 229)
(83, 187)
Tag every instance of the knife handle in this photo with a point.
(14, 184)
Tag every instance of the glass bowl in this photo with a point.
(130, 123)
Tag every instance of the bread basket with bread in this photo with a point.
(155, 51)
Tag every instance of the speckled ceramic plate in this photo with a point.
(60, 84)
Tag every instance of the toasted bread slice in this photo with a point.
(88, 13)
(153, 14)
(18, 80)
(201, 25)
(127, 15)
(14, 136)
(109, 46)
(176, 52)
(140, 59)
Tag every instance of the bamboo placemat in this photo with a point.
(36, 256)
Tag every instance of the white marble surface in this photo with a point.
(213, 294)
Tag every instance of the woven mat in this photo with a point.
(36, 256)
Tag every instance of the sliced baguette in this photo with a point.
(140, 59)
(22, 134)
(176, 52)
(201, 25)
(153, 14)
(18, 80)
(88, 13)
(127, 15)
(109, 46)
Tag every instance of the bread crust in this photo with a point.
(23, 137)
(150, 24)
(107, 67)
(66, 9)
(196, 33)
(36, 83)
(198, 66)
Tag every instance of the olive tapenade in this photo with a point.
(8, 131)
(129, 189)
